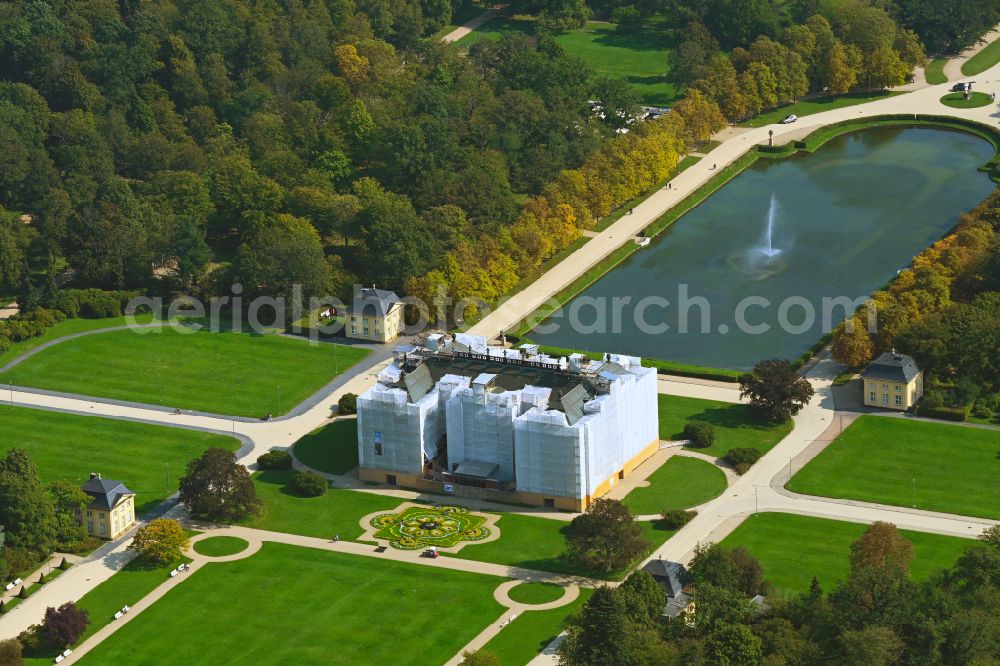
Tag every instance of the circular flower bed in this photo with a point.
(419, 527)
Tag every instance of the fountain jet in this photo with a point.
(770, 250)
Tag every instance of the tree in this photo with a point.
(63, 626)
(68, 500)
(479, 658)
(619, 102)
(605, 536)
(644, 597)
(161, 541)
(759, 87)
(10, 652)
(775, 390)
(348, 404)
(26, 510)
(216, 487)
(884, 69)
(279, 253)
(881, 545)
(599, 638)
(852, 345)
(733, 645)
(872, 646)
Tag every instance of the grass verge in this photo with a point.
(679, 483)
(532, 631)
(332, 448)
(983, 60)
(934, 72)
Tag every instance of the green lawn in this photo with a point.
(678, 484)
(983, 60)
(134, 581)
(735, 425)
(640, 55)
(532, 631)
(220, 546)
(957, 100)
(337, 512)
(148, 458)
(332, 448)
(62, 329)
(539, 543)
(808, 107)
(225, 373)
(291, 605)
(536, 593)
(793, 549)
(934, 72)
(934, 466)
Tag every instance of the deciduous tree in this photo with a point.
(775, 390)
(161, 541)
(605, 536)
(216, 487)
(63, 626)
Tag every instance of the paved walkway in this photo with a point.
(953, 68)
(465, 29)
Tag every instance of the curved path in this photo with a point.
(953, 67)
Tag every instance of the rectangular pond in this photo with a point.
(762, 269)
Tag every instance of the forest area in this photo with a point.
(181, 146)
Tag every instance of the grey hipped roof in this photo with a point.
(892, 366)
(374, 302)
(477, 468)
(105, 493)
(674, 577)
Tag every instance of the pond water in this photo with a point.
(782, 240)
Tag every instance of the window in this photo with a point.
(871, 397)
(90, 527)
(100, 514)
(549, 502)
(885, 387)
(366, 330)
(354, 330)
(378, 449)
(898, 388)
(899, 401)
(390, 479)
(89, 514)
(100, 527)
(885, 398)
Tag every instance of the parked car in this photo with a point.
(789, 119)
(959, 87)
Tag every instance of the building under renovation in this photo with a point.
(457, 416)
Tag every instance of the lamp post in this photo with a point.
(770, 138)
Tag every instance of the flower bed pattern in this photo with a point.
(417, 527)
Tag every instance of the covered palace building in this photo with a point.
(456, 416)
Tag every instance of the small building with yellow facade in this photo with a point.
(375, 315)
(893, 381)
(111, 511)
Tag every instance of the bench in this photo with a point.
(10, 586)
(118, 615)
(59, 658)
(173, 573)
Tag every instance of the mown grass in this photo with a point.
(148, 458)
(957, 100)
(532, 631)
(933, 466)
(292, 605)
(332, 448)
(983, 60)
(735, 424)
(259, 373)
(934, 72)
(679, 483)
(792, 549)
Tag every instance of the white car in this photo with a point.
(789, 119)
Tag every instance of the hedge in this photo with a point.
(945, 413)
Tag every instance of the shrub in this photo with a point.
(933, 399)
(675, 519)
(348, 404)
(701, 433)
(991, 401)
(308, 484)
(32, 638)
(275, 460)
(981, 411)
(626, 17)
(742, 458)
